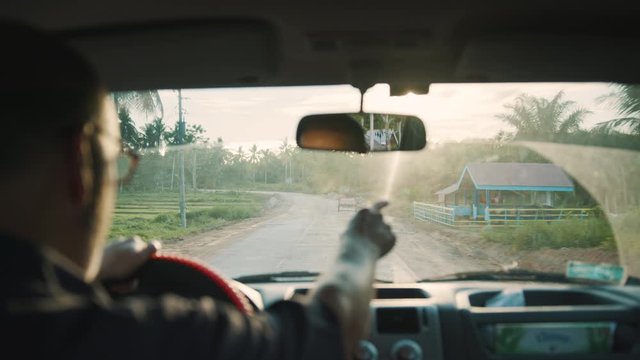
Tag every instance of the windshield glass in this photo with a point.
(514, 176)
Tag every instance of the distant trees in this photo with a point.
(286, 152)
(154, 133)
(146, 101)
(537, 118)
(130, 134)
(268, 165)
(625, 99)
(193, 134)
(558, 120)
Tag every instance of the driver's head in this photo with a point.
(60, 141)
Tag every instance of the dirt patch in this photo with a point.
(468, 242)
(471, 244)
(555, 260)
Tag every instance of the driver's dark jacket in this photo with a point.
(46, 312)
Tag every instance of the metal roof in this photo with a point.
(448, 190)
(514, 176)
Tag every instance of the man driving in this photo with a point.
(58, 187)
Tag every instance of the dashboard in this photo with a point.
(458, 320)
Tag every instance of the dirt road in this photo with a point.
(301, 233)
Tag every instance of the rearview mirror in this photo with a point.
(361, 132)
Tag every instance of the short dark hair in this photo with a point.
(46, 87)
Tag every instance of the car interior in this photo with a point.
(409, 45)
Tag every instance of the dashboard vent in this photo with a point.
(547, 298)
(400, 293)
(300, 291)
(384, 293)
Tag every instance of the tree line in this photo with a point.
(211, 165)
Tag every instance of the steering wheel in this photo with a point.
(186, 277)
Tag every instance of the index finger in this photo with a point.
(152, 248)
(378, 206)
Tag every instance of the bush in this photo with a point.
(169, 219)
(570, 234)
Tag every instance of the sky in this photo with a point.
(451, 112)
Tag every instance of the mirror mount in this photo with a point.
(363, 90)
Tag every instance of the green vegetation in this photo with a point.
(536, 118)
(155, 215)
(625, 99)
(586, 233)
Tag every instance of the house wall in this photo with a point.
(462, 210)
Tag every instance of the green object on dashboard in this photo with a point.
(608, 273)
(554, 338)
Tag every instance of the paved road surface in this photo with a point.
(302, 234)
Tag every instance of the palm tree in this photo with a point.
(153, 133)
(128, 131)
(253, 154)
(265, 156)
(239, 156)
(253, 159)
(286, 152)
(625, 99)
(538, 118)
(146, 101)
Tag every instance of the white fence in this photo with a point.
(497, 217)
(435, 213)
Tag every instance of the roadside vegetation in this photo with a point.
(587, 233)
(155, 215)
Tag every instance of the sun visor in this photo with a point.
(181, 55)
(549, 57)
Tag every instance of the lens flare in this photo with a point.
(162, 148)
(393, 169)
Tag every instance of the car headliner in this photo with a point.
(408, 44)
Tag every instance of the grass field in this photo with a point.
(587, 233)
(156, 215)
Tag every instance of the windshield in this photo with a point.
(514, 176)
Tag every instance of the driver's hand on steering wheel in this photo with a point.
(121, 259)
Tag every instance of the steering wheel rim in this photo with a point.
(180, 275)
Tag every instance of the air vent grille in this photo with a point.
(384, 293)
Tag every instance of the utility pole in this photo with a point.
(371, 143)
(181, 135)
(291, 167)
(386, 131)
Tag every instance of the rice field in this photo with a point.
(156, 215)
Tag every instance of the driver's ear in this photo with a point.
(79, 169)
